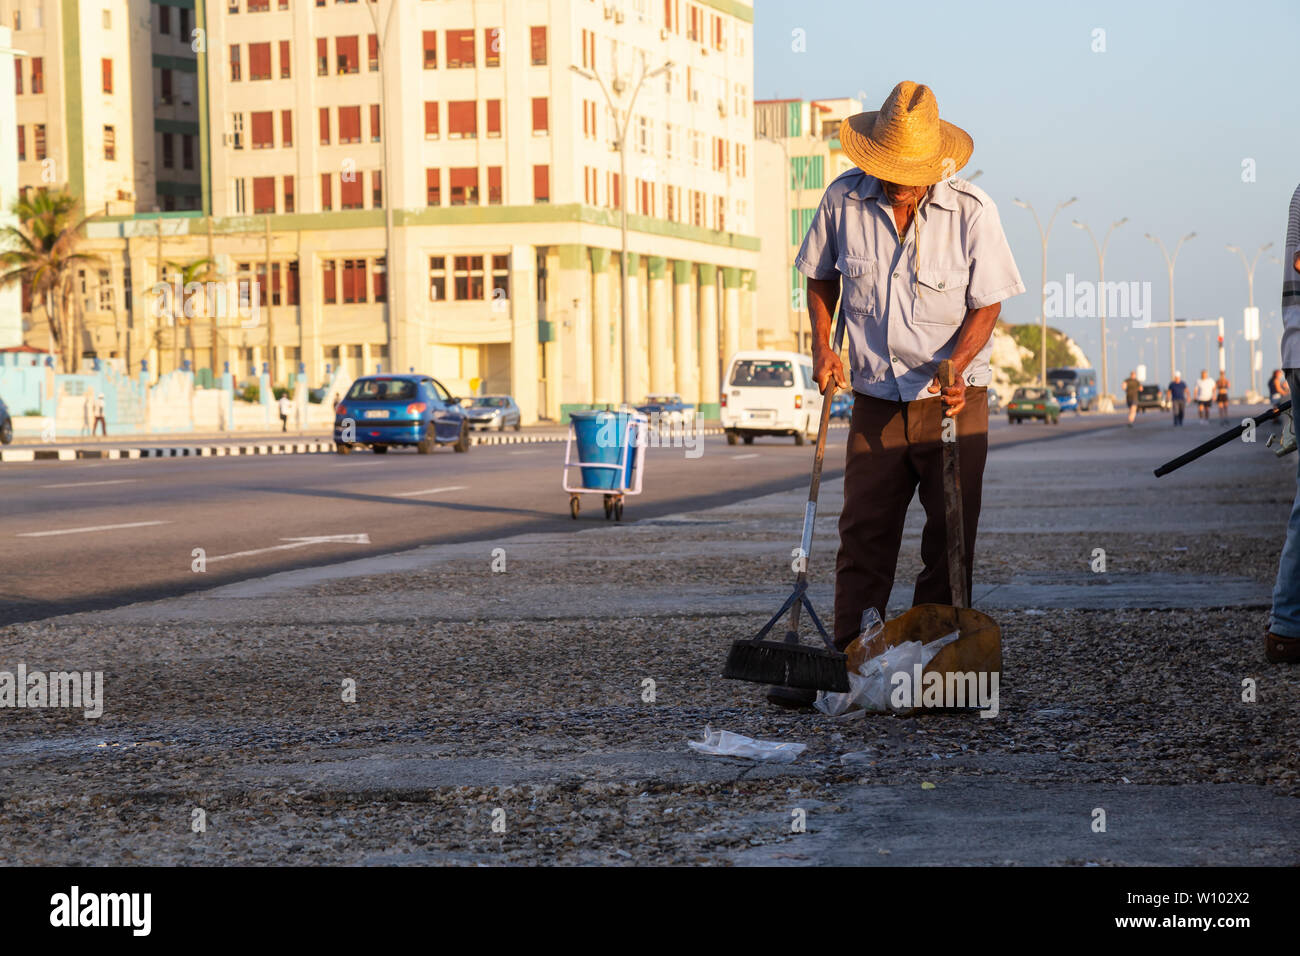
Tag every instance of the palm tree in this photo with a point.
(41, 253)
(199, 270)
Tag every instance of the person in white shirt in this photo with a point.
(286, 409)
(1204, 396)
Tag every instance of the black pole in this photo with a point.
(1220, 440)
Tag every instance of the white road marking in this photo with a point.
(98, 527)
(85, 484)
(428, 491)
(534, 452)
(743, 457)
(298, 543)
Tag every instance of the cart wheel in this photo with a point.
(573, 507)
(609, 507)
(618, 509)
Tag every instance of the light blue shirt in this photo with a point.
(904, 302)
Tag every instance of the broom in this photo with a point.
(789, 663)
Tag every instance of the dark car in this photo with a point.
(386, 410)
(671, 410)
(492, 411)
(6, 424)
(842, 406)
(1149, 397)
(1033, 402)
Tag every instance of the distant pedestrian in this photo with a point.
(88, 412)
(286, 409)
(1204, 396)
(1282, 640)
(1178, 397)
(97, 407)
(1132, 389)
(1221, 386)
(1277, 387)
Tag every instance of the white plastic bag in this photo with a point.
(869, 688)
(723, 743)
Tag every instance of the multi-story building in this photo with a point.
(436, 184)
(11, 329)
(797, 154)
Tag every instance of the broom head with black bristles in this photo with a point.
(788, 664)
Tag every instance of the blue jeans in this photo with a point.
(1286, 592)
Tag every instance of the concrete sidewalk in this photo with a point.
(561, 692)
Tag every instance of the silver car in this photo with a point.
(492, 411)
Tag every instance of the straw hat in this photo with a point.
(905, 142)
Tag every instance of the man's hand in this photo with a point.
(954, 396)
(828, 370)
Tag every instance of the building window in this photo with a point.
(259, 6)
(537, 45)
(372, 53)
(326, 198)
(164, 20)
(288, 194)
(38, 75)
(237, 130)
(460, 49)
(467, 278)
(375, 135)
(263, 128)
(462, 119)
(38, 141)
(329, 279)
(541, 184)
(430, 120)
(347, 53)
(187, 152)
(500, 277)
(351, 192)
(286, 128)
(22, 144)
(379, 280)
(541, 115)
(106, 74)
(168, 152)
(234, 62)
(110, 143)
(349, 124)
(165, 83)
(492, 46)
(324, 125)
(493, 118)
(354, 281)
(377, 190)
(18, 74)
(437, 278)
(240, 205)
(259, 61)
(433, 187)
(322, 57)
(430, 49)
(285, 60)
(464, 186)
(494, 185)
(184, 31)
(263, 195)
(291, 283)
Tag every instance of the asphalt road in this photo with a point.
(78, 536)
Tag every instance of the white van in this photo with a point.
(770, 393)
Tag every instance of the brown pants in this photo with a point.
(894, 448)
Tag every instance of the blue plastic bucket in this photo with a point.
(601, 437)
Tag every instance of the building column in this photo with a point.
(659, 356)
(688, 378)
(748, 320)
(639, 382)
(569, 308)
(367, 361)
(708, 404)
(524, 375)
(731, 324)
(602, 330)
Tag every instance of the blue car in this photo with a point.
(386, 410)
(6, 424)
(1075, 388)
(842, 406)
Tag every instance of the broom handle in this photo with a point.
(814, 486)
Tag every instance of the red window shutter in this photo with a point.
(492, 46)
(18, 74)
(22, 143)
(433, 186)
(326, 200)
(537, 45)
(329, 281)
(263, 194)
(324, 125)
(263, 130)
(285, 69)
(349, 124)
(322, 56)
(288, 195)
(494, 117)
(351, 192)
(348, 52)
(541, 184)
(540, 114)
(460, 48)
(259, 61)
(376, 189)
(106, 68)
(286, 127)
(372, 51)
(430, 118)
(494, 185)
(430, 49)
(375, 133)
(462, 119)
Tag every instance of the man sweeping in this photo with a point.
(918, 263)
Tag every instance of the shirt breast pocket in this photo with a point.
(941, 296)
(858, 285)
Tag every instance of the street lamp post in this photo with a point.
(1171, 262)
(621, 146)
(1044, 235)
(1101, 295)
(786, 176)
(1250, 287)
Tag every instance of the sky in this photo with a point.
(1187, 121)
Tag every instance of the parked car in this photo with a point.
(1078, 386)
(670, 409)
(492, 411)
(842, 406)
(1033, 402)
(770, 393)
(994, 400)
(386, 410)
(6, 424)
(1149, 397)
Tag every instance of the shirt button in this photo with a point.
(895, 275)
(894, 359)
(940, 285)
